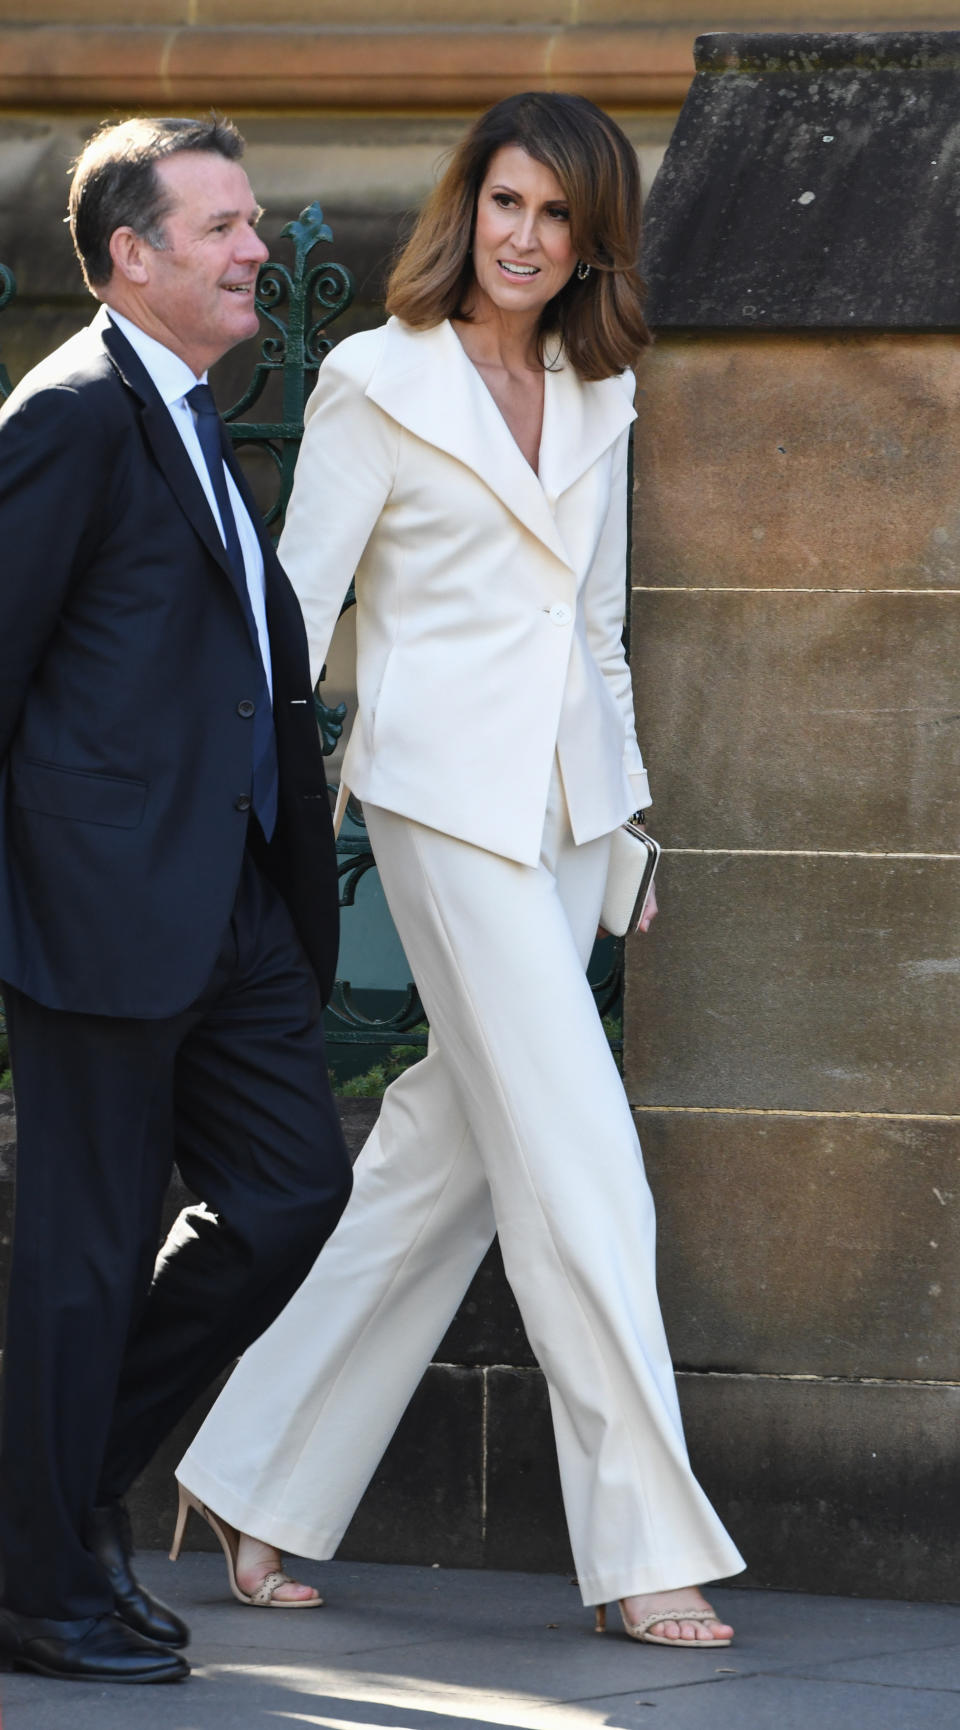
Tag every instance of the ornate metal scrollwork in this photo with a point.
(330, 722)
(353, 1024)
(8, 288)
(298, 305)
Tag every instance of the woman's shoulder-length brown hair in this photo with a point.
(600, 319)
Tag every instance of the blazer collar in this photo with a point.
(424, 380)
(580, 422)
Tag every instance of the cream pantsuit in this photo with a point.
(516, 1120)
(494, 751)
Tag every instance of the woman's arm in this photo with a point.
(604, 602)
(344, 474)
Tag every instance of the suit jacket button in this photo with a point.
(242, 804)
(246, 708)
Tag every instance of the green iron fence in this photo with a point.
(299, 303)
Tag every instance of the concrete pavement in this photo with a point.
(400, 1648)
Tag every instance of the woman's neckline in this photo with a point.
(476, 368)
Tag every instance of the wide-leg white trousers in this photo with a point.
(515, 1121)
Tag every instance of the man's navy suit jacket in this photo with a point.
(126, 665)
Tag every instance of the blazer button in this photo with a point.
(243, 803)
(561, 614)
(246, 708)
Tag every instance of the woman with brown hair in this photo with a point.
(468, 463)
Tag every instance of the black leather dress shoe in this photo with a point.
(111, 1541)
(95, 1649)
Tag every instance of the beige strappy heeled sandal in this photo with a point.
(641, 1630)
(229, 1541)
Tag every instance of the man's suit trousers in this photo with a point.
(516, 1121)
(104, 1352)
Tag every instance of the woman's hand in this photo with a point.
(650, 911)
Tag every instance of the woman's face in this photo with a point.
(522, 254)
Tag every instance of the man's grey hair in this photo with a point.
(115, 184)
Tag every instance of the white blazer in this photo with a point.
(489, 601)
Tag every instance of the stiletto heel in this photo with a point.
(666, 1613)
(183, 1509)
(229, 1541)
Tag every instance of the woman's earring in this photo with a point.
(583, 270)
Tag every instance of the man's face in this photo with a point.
(198, 292)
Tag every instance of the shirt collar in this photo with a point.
(171, 375)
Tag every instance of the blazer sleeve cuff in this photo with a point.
(640, 788)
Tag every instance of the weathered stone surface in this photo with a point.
(394, 13)
(832, 1486)
(487, 1328)
(289, 66)
(811, 182)
(425, 1501)
(792, 983)
(826, 1485)
(809, 721)
(784, 461)
(524, 1520)
(808, 1245)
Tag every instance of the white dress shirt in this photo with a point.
(173, 379)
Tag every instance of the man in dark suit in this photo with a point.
(168, 908)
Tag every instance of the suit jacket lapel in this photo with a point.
(424, 381)
(166, 443)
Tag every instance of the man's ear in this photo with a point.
(129, 253)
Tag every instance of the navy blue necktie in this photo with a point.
(265, 772)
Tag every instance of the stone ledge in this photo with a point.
(826, 1486)
(50, 66)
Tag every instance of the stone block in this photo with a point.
(831, 1486)
(296, 65)
(810, 183)
(797, 983)
(425, 1502)
(815, 721)
(808, 1245)
(524, 1520)
(487, 1328)
(825, 1485)
(716, 14)
(780, 461)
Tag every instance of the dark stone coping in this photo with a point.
(849, 51)
(811, 183)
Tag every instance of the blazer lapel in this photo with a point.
(424, 381)
(166, 443)
(580, 422)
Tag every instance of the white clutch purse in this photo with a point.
(634, 856)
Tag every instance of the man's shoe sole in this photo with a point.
(7, 1663)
